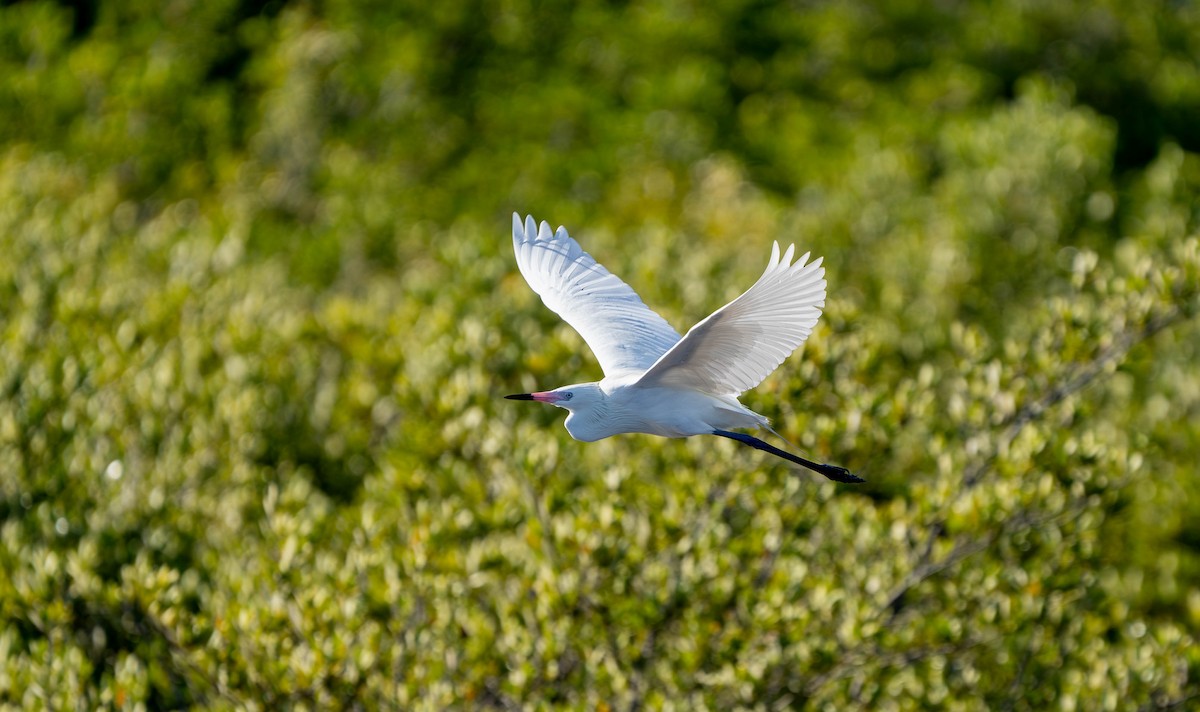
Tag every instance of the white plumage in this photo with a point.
(623, 333)
(655, 381)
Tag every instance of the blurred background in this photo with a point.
(258, 303)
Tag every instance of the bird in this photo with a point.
(656, 381)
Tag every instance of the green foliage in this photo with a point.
(258, 302)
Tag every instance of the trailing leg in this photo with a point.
(833, 472)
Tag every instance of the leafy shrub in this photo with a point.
(257, 303)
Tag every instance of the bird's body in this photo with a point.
(656, 381)
(616, 407)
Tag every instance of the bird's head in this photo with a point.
(577, 397)
(589, 412)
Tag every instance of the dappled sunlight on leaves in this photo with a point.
(258, 308)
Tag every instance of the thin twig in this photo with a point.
(925, 565)
(1083, 376)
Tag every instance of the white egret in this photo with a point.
(656, 381)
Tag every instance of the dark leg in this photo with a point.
(837, 474)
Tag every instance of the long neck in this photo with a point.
(591, 417)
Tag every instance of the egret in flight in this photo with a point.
(656, 381)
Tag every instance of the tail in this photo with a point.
(833, 472)
(767, 426)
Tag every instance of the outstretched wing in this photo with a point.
(623, 333)
(741, 343)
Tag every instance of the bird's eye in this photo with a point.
(568, 396)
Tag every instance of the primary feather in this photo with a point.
(741, 343)
(625, 335)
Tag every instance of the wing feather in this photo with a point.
(741, 343)
(625, 335)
